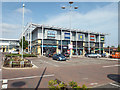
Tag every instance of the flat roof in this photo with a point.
(67, 29)
(9, 39)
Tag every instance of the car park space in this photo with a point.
(49, 62)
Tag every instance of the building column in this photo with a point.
(5, 48)
(103, 48)
(71, 49)
(39, 48)
(94, 48)
(57, 47)
(2, 49)
(83, 49)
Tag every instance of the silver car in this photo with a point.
(94, 55)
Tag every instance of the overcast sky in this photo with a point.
(92, 16)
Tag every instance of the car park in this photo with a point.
(93, 55)
(59, 57)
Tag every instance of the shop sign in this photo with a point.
(48, 46)
(80, 37)
(102, 39)
(92, 37)
(64, 47)
(70, 46)
(67, 35)
(51, 34)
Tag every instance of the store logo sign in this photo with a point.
(80, 37)
(102, 39)
(51, 34)
(92, 37)
(67, 35)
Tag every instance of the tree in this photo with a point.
(25, 43)
(112, 46)
(118, 47)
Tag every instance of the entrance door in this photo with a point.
(3, 49)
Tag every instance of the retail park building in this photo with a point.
(44, 37)
(8, 45)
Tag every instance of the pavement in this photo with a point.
(94, 73)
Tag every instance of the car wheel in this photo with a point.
(98, 57)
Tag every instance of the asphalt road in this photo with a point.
(94, 73)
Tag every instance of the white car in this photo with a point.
(14, 52)
(95, 55)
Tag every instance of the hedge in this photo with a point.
(24, 55)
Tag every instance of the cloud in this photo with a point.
(20, 10)
(101, 19)
(10, 30)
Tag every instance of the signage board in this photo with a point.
(102, 39)
(92, 37)
(67, 35)
(80, 37)
(51, 34)
(70, 46)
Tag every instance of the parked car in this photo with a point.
(59, 57)
(66, 54)
(95, 55)
(14, 52)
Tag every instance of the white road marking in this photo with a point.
(49, 63)
(111, 66)
(85, 78)
(4, 86)
(29, 77)
(93, 83)
(114, 85)
(5, 81)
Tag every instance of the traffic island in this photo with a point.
(16, 62)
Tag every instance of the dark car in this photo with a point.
(59, 57)
(66, 54)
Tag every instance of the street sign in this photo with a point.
(70, 46)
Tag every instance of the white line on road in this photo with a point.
(111, 66)
(114, 85)
(49, 63)
(29, 77)
(93, 83)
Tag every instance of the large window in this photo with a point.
(49, 42)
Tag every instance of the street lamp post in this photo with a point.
(89, 42)
(61, 40)
(70, 10)
(99, 44)
(22, 29)
(76, 43)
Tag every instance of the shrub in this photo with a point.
(24, 55)
(58, 85)
(73, 84)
